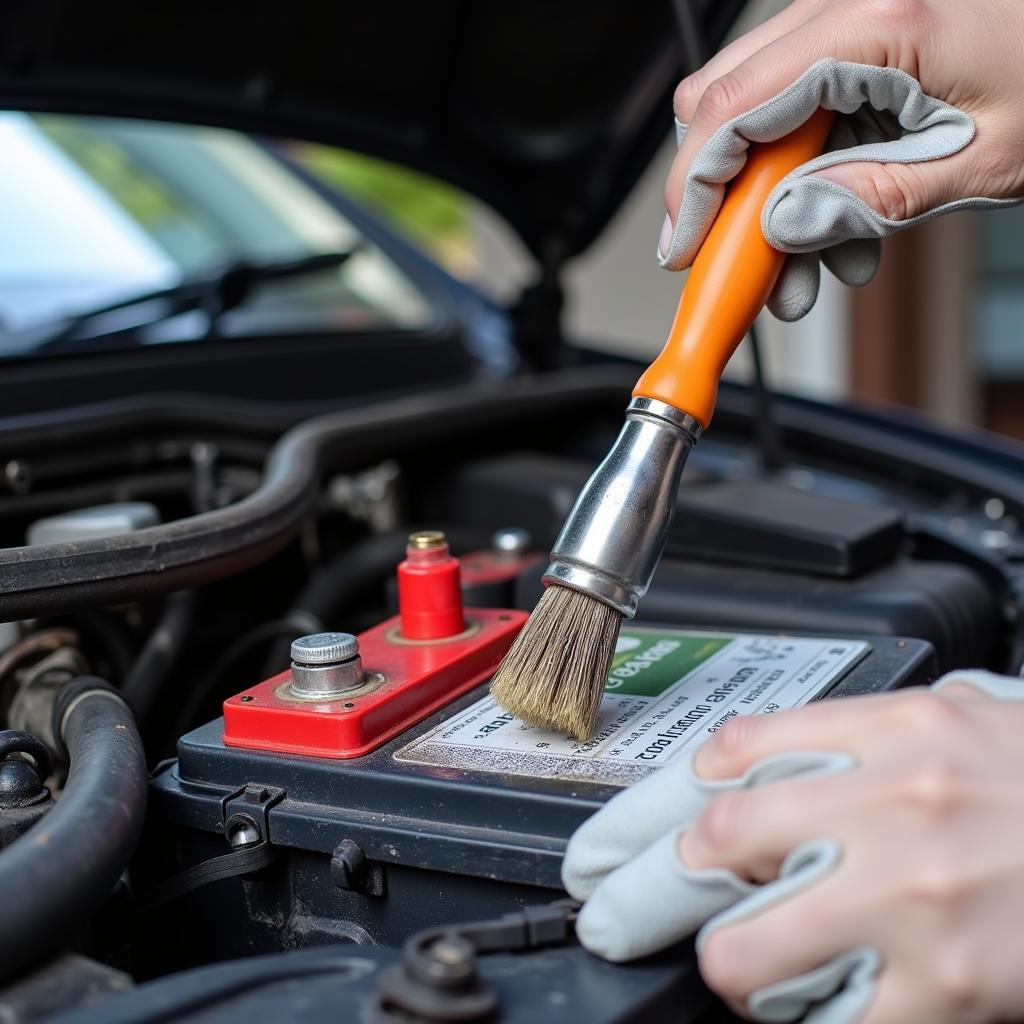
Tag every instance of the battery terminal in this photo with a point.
(430, 589)
(345, 695)
(325, 666)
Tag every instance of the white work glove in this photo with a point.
(887, 119)
(854, 860)
(900, 152)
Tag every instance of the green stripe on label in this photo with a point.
(647, 664)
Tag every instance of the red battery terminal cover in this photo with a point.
(430, 589)
(406, 681)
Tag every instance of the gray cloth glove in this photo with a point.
(640, 898)
(887, 119)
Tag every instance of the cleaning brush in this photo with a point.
(603, 560)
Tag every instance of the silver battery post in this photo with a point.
(325, 665)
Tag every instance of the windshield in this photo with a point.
(98, 210)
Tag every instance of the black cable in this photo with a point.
(410, 990)
(164, 646)
(205, 688)
(66, 865)
(244, 861)
(766, 431)
(767, 436)
(344, 577)
(691, 38)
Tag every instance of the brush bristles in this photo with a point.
(555, 672)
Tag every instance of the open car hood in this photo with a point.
(548, 110)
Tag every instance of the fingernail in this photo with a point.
(666, 237)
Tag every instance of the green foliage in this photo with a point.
(142, 194)
(432, 214)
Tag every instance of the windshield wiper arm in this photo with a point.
(214, 294)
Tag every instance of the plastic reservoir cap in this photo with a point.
(94, 523)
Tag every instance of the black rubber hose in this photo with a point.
(200, 991)
(349, 573)
(158, 656)
(60, 871)
(111, 634)
(51, 578)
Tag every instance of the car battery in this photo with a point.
(441, 807)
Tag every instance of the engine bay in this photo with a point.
(329, 819)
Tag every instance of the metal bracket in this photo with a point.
(245, 814)
(246, 825)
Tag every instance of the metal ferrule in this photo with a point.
(321, 682)
(612, 541)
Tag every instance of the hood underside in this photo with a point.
(548, 110)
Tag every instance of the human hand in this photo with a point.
(906, 862)
(897, 156)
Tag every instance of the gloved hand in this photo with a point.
(857, 860)
(897, 154)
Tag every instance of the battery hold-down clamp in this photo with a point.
(246, 816)
(437, 978)
(345, 695)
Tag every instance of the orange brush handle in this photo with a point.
(730, 280)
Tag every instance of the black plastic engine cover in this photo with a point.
(749, 522)
(948, 605)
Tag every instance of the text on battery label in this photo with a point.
(665, 694)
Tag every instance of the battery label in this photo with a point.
(666, 692)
